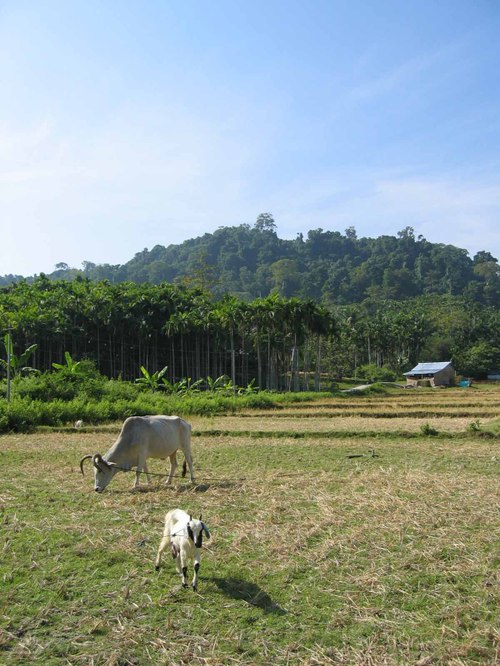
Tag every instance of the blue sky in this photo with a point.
(124, 125)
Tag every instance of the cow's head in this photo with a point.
(104, 471)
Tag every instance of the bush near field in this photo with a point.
(59, 398)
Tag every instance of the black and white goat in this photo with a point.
(184, 535)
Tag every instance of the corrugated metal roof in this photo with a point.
(428, 368)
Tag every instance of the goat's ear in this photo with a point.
(201, 516)
(205, 529)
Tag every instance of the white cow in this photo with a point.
(143, 437)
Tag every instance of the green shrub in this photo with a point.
(61, 385)
(474, 426)
(428, 430)
(116, 389)
(372, 373)
(60, 398)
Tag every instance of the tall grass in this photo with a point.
(25, 412)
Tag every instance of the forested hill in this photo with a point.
(328, 266)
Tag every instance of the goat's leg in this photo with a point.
(182, 564)
(163, 544)
(173, 467)
(194, 584)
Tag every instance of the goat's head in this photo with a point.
(196, 529)
(104, 471)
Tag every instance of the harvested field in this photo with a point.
(321, 553)
(446, 411)
(337, 426)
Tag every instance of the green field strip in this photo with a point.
(339, 434)
(367, 415)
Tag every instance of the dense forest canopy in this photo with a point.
(283, 314)
(326, 266)
(276, 342)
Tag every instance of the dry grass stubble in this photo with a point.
(314, 559)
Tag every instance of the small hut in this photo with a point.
(431, 374)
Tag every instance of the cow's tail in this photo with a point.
(184, 468)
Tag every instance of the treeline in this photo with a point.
(329, 267)
(125, 326)
(274, 342)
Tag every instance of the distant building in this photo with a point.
(494, 376)
(431, 374)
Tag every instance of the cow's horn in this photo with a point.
(82, 461)
(97, 458)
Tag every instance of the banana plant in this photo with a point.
(222, 383)
(183, 386)
(17, 364)
(71, 366)
(250, 389)
(187, 386)
(151, 380)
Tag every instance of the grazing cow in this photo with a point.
(184, 535)
(143, 437)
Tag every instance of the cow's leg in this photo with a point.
(189, 461)
(137, 477)
(141, 467)
(173, 467)
(185, 445)
(146, 470)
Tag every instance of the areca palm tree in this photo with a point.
(179, 324)
(322, 324)
(228, 312)
(258, 311)
(269, 317)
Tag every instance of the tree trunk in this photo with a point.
(317, 376)
(259, 365)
